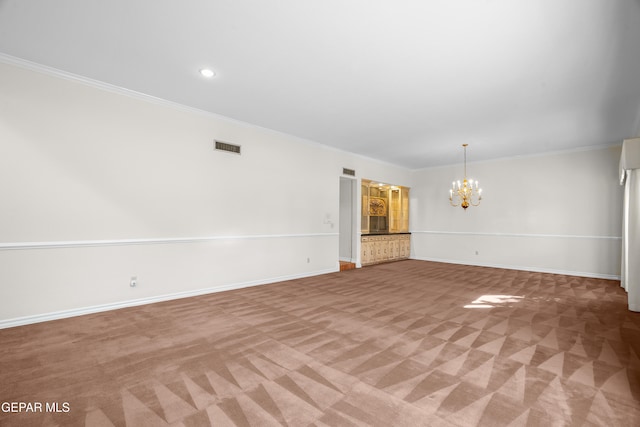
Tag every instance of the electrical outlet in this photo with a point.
(133, 282)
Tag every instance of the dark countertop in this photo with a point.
(383, 233)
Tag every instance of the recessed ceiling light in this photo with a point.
(208, 73)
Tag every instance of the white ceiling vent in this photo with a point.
(225, 146)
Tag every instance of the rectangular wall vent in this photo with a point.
(350, 172)
(225, 146)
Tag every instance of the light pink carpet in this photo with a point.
(409, 343)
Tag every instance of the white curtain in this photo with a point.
(630, 262)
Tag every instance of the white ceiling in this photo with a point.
(404, 81)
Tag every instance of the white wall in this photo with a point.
(559, 213)
(97, 186)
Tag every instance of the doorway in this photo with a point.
(348, 226)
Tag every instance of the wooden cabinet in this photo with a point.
(382, 248)
(367, 250)
(404, 246)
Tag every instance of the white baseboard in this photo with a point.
(45, 317)
(534, 269)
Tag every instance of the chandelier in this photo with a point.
(466, 193)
